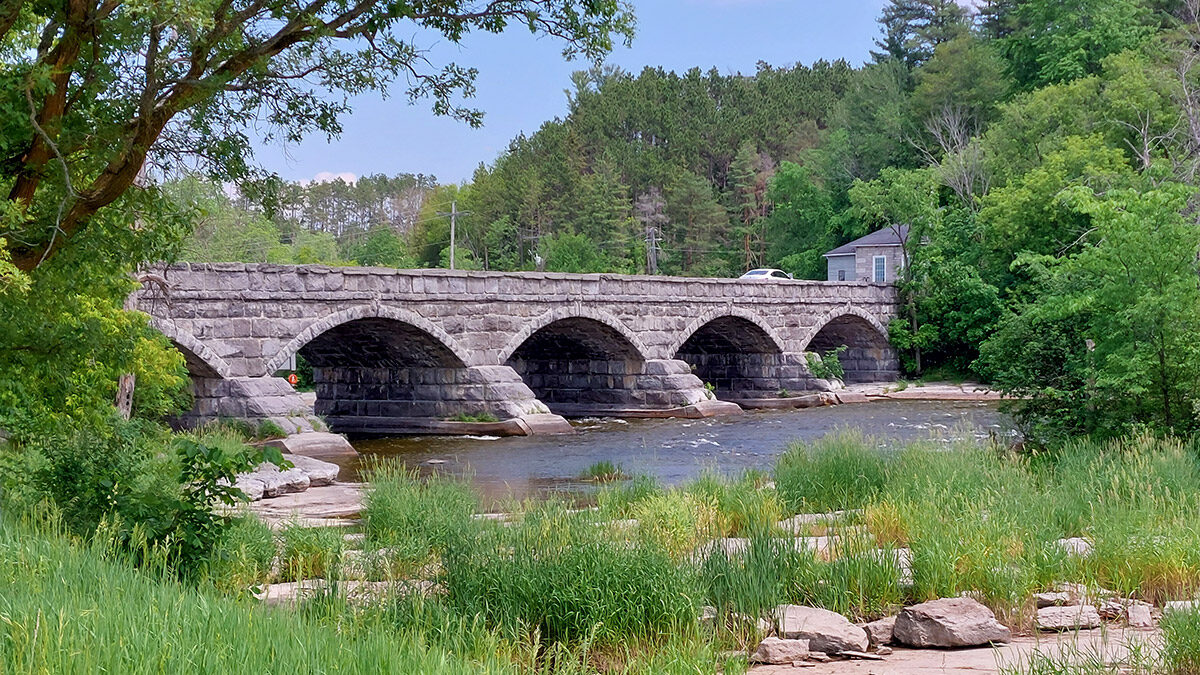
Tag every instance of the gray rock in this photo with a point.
(826, 631)
(776, 651)
(276, 481)
(1138, 615)
(949, 622)
(316, 444)
(1055, 599)
(251, 487)
(319, 472)
(880, 632)
(1181, 606)
(1068, 618)
(1075, 546)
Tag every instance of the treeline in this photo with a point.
(366, 221)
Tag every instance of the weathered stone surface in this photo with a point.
(1076, 546)
(332, 503)
(1181, 606)
(826, 631)
(880, 632)
(319, 472)
(1054, 599)
(408, 344)
(948, 622)
(775, 650)
(1138, 615)
(1068, 618)
(316, 444)
(275, 481)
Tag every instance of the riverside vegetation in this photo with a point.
(620, 586)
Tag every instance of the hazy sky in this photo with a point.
(522, 79)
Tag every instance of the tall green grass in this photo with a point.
(68, 609)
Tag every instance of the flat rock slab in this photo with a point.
(319, 472)
(826, 631)
(316, 444)
(1113, 644)
(1067, 618)
(361, 592)
(337, 501)
(949, 622)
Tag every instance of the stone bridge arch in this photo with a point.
(737, 353)
(563, 313)
(868, 355)
(201, 361)
(371, 311)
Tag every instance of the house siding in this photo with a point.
(841, 262)
(864, 259)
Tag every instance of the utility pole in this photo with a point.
(651, 249)
(454, 213)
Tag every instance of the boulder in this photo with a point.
(826, 631)
(775, 650)
(880, 632)
(1075, 546)
(1138, 615)
(949, 622)
(275, 481)
(253, 488)
(319, 472)
(1068, 618)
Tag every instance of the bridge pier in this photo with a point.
(251, 399)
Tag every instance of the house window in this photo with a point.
(841, 275)
(880, 269)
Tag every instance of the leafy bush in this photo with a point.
(827, 366)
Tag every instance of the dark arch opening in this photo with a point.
(868, 356)
(737, 357)
(196, 366)
(578, 366)
(370, 374)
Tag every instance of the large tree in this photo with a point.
(96, 91)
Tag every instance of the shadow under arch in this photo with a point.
(577, 364)
(867, 354)
(201, 361)
(736, 354)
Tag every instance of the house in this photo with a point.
(876, 258)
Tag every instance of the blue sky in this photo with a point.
(521, 81)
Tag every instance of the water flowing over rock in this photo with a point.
(826, 631)
(949, 622)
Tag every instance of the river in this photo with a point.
(672, 450)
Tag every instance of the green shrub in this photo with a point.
(603, 471)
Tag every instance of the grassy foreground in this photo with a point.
(621, 587)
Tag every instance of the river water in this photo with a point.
(672, 450)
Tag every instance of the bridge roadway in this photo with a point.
(406, 350)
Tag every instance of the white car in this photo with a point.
(765, 275)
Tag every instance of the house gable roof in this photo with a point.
(888, 236)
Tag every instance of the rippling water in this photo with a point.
(673, 450)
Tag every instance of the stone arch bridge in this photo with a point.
(404, 350)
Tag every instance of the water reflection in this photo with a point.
(673, 450)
